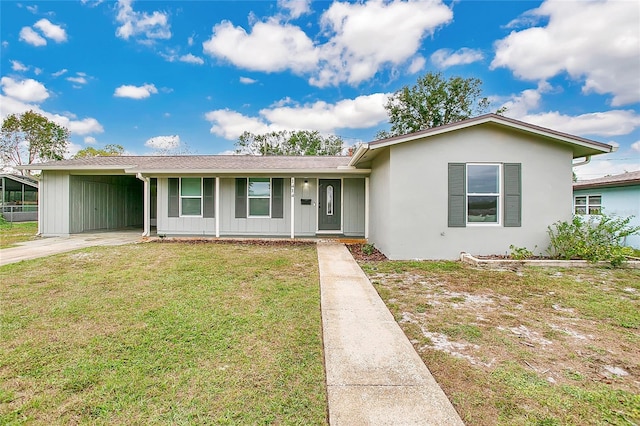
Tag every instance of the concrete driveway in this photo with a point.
(53, 245)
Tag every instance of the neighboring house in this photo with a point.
(617, 195)
(478, 185)
(18, 198)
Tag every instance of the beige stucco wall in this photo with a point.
(416, 217)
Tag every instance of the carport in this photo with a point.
(102, 202)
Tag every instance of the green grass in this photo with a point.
(13, 233)
(529, 347)
(163, 333)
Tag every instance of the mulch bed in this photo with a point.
(359, 255)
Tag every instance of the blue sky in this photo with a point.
(191, 76)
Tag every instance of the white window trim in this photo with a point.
(499, 194)
(587, 204)
(249, 197)
(180, 196)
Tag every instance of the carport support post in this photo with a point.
(217, 204)
(147, 196)
(366, 208)
(293, 207)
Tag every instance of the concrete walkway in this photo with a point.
(374, 375)
(53, 245)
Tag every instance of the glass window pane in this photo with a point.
(191, 187)
(482, 179)
(595, 199)
(259, 187)
(581, 201)
(482, 209)
(191, 206)
(581, 210)
(594, 210)
(259, 207)
(330, 200)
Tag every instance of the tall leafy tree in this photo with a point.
(285, 142)
(434, 101)
(29, 138)
(110, 150)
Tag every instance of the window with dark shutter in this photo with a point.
(174, 198)
(241, 198)
(277, 198)
(457, 195)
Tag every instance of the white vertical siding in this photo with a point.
(54, 202)
(353, 206)
(180, 225)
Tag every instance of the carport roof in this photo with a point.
(204, 164)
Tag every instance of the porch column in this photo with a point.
(39, 196)
(146, 231)
(366, 208)
(217, 208)
(293, 207)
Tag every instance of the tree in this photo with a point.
(432, 102)
(110, 150)
(285, 142)
(29, 138)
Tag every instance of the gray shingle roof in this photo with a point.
(200, 162)
(624, 179)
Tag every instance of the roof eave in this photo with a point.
(236, 172)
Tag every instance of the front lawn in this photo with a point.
(534, 346)
(166, 333)
(13, 233)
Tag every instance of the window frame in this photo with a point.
(259, 197)
(499, 195)
(181, 197)
(587, 204)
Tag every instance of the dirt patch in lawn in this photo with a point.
(536, 346)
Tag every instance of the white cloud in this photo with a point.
(635, 146)
(247, 80)
(191, 59)
(148, 26)
(59, 73)
(296, 8)
(163, 142)
(269, 47)
(90, 140)
(602, 124)
(78, 80)
(361, 112)
(518, 106)
(10, 105)
(445, 58)
(594, 42)
(605, 165)
(33, 9)
(135, 92)
(29, 36)
(27, 90)
(51, 31)
(190, 41)
(361, 38)
(18, 66)
(417, 65)
(367, 36)
(37, 71)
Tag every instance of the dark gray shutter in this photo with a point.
(277, 198)
(241, 197)
(209, 199)
(174, 197)
(512, 195)
(457, 193)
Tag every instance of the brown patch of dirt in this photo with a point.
(359, 255)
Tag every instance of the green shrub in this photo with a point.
(368, 249)
(595, 239)
(520, 253)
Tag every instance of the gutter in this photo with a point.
(587, 160)
(360, 152)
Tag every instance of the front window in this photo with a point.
(191, 196)
(588, 204)
(259, 195)
(483, 193)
